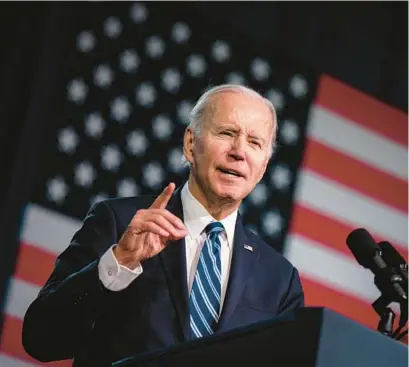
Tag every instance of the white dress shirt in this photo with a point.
(117, 277)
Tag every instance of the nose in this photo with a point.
(237, 150)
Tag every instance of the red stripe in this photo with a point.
(327, 231)
(34, 265)
(356, 175)
(363, 109)
(11, 344)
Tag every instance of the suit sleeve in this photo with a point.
(62, 316)
(294, 297)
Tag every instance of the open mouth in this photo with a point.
(230, 172)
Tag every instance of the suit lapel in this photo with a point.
(242, 264)
(173, 259)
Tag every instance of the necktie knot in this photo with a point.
(214, 228)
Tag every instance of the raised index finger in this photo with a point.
(162, 200)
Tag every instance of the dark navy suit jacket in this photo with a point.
(75, 316)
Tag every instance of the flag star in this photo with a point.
(85, 41)
(289, 132)
(171, 80)
(280, 177)
(152, 175)
(97, 198)
(272, 223)
(276, 98)
(136, 143)
(126, 188)
(260, 69)
(57, 190)
(77, 90)
(183, 110)
(112, 27)
(175, 160)
(138, 13)
(111, 158)
(129, 61)
(196, 65)
(220, 51)
(155, 47)
(298, 86)
(120, 109)
(146, 94)
(235, 78)
(162, 127)
(94, 125)
(84, 174)
(103, 76)
(67, 140)
(180, 32)
(259, 194)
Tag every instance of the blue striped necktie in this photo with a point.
(204, 300)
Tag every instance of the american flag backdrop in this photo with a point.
(133, 72)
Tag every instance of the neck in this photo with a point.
(217, 207)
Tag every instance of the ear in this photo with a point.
(188, 145)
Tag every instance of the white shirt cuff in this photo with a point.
(114, 276)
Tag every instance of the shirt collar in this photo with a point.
(196, 217)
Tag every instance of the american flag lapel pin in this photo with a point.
(248, 247)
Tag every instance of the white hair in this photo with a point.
(198, 113)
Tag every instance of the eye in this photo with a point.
(226, 132)
(255, 143)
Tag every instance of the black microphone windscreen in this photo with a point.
(391, 256)
(362, 246)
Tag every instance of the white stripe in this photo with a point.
(209, 279)
(199, 312)
(8, 361)
(346, 205)
(19, 297)
(213, 259)
(358, 141)
(206, 300)
(331, 268)
(47, 229)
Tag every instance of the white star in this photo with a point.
(171, 80)
(120, 109)
(162, 127)
(97, 198)
(276, 98)
(57, 190)
(196, 65)
(112, 27)
(259, 194)
(183, 110)
(298, 86)
(129, 61)
(260, 69)
(111, 158)
(126, 188)
(220, 51)
(175, 160)
(94, 125)
(77, 90)
(180, 32)
(235, 78)
(85, 41)
(103, 76)
(146, 94)
(280, 177)
(139, 13)
(152, 175)
(271, 223)
(84, 174)
(136, 143)
(155, 47)
(289, 132)
(67, 140)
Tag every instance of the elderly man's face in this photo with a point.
(230, 155)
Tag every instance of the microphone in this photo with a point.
(387, 279)
(394, 259)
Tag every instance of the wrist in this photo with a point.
(126, 258)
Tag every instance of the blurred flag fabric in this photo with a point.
(133, 74)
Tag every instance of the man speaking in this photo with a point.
(146, 273)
